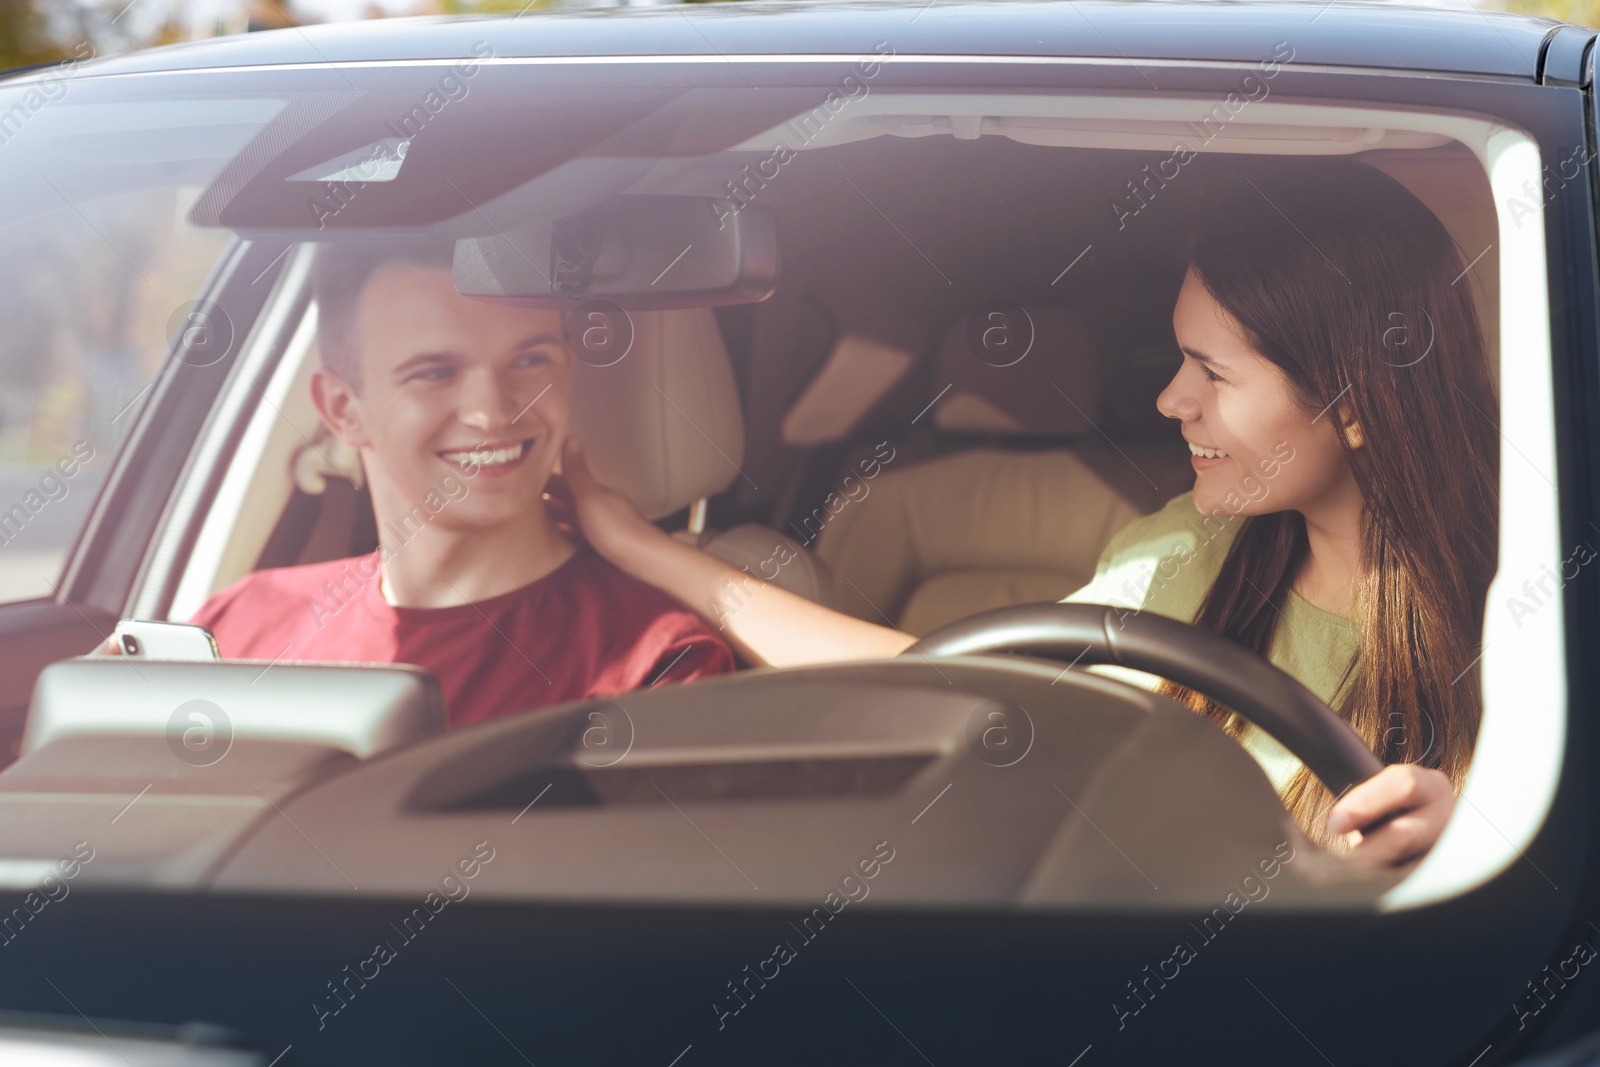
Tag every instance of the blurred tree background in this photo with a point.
(1582, 12)
(46, 31)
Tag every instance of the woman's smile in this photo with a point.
(1204, 459)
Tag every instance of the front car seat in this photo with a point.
(664, 426)
(987, 527)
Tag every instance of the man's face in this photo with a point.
(460, 397)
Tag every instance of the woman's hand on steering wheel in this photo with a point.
(1395, 816)
(1390, 816)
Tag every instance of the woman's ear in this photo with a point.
(340, 408)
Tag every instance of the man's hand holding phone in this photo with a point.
(149, 639)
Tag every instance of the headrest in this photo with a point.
(662, 424)
(1040, 375)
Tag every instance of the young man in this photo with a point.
(458, 408)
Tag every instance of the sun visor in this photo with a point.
(1128, 122)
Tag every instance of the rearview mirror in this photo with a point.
(639, 251)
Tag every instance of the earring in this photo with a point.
(1351, 427)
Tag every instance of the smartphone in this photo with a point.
(148, 639)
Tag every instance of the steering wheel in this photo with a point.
(1203, 660)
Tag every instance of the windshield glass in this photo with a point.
(893, 356)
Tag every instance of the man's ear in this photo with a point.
(340, 407)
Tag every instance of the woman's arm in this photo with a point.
(767, 625)
(1389, 820)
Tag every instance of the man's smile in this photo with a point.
(490, 458)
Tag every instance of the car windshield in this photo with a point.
(822, 288)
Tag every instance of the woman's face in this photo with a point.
(1265, 452)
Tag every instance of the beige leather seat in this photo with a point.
(953, 536)
(959, 535)
(664, 426)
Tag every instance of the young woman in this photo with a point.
(1335, 396)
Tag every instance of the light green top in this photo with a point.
(1166, 562)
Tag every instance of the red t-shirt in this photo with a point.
(584, 630)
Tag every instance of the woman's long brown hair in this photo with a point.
(1355, 290)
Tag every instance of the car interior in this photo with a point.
(902, 233)
(1003, 491)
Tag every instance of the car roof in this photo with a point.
(1340, 33)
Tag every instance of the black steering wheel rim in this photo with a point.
(1203, 660)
